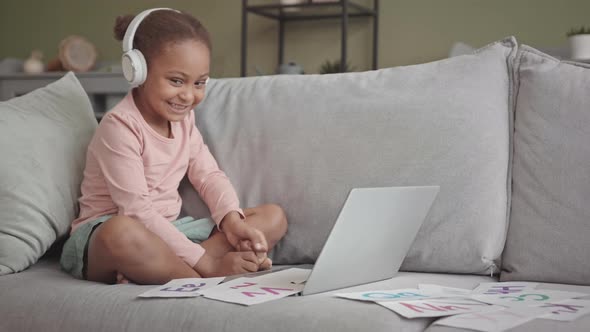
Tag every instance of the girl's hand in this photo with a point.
(244, 237)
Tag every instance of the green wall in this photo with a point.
(411, 31)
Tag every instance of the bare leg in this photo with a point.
(269, 219)
(123, 246)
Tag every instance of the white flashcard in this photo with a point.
(533, 297)
(185, 287)
(228, 286)
(285, 277)
(504, 288)
(407, 294)
(436, 307)
(446, 291)
(492, 320)
(567, 310)
(292, 275)
(248, 291)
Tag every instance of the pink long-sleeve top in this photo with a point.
(133, 171)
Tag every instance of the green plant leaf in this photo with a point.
(578, 31)
(331, 67)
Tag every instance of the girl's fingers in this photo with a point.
(250, 256)
(257, 237)
(245, 245)
(250, 267)
(266, 264)
(261, 257)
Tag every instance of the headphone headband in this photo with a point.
(130, 32)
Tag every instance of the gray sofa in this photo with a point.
(504, 132)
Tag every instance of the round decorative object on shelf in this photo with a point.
(76, 53)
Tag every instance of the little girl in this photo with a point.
(127, 228)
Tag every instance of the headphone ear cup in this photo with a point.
(134, 67)
(142, 68)
(127, 66)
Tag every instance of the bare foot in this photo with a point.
(121, 279)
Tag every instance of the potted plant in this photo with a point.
(331, 67)
(579, 41)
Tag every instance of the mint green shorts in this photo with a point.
(74, 256)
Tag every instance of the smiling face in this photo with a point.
(175, 83)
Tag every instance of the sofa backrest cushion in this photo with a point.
(548, 238)
(304, 141)
(43, 139)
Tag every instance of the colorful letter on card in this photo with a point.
(492, 320)
(387, 295)
(436, 308)
(248, 291)
(504, 288)
(533, 297)
(186, 287)
(567, 310)
(255, 293)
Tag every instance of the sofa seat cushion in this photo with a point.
(44, 298)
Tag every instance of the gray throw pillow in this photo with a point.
(43, 140)
(303, 141)
(550, 219)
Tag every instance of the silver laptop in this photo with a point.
(371, 236)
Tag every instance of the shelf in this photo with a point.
(17, 84)
(104, 89)
(309, 10)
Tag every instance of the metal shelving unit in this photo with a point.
(310, 10)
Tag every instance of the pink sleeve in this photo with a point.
(118, 152)
(209, 181)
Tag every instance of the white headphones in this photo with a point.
(133, 61)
